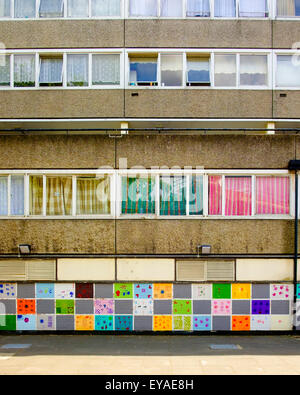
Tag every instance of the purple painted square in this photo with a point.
(104, 306)
(261, 307)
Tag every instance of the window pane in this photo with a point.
(78, 8)
(171, 70)
(196, 195)
(215, 195)
(143, 8)
(24, 8)
(288, 8)
(51, 71)
(106, 69)
(17, 195)
(198, 8)
(51, 8)
(288, 71)
(172, 8)
(4, 70)
(238, 196)
(93, 195)
(225, 70)
(198, 70)
(225, 8)
(143, 71)
(3, 196)
(36, 195)
(254, 70)
(4, 8)
(78, 70)
(24, 70)
(138, 195)
(59, 195)
(253, 8)
(172, 195)
(106, 8)
(272, 195)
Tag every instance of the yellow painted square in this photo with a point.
(84, 323)
(162, 323)
(241, 291)
(163, 291)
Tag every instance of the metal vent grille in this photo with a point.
(191, 271)
(220, 271)
(41, 270)
(12, 271)
(197, 270)
(21, 270)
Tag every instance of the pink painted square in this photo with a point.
(221, 307)
(282, 291)
(104, 306)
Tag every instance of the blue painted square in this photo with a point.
(298, 291)
(261, 307)
(44, 291)
(104, 323)
(202, 323)
(143, 291)
(123, 322)
(26, 322)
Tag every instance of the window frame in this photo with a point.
(277, 53)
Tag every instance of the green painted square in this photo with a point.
(182, 323)
(8, 323)
(64, 306)
(221, 291)
(182, 307)
(123, 291)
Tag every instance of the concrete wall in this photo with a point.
(285, 34)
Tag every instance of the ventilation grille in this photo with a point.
(220, 271)
(205, 271)
(41, 270)
(191, 271)
(11, 270)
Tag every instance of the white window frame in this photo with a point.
(277, 53)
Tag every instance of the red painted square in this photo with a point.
(84, 291)
(241, 323)
(26, 306)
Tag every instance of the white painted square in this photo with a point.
(64, 291)
(260, 323)
(282, 291)
(143, 307)
(202, 291)
(281, 322)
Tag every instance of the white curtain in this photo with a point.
(17, 195)
(106, 69)
(78, 70)
(253, 8)
(24, 8)
(288, 73)
(225, 70)
(225, 8)
(3, 196)
(78, 8)
(4, 8)
(286, 7)
(143, 8)
(171, 70)
(106, 8)
(4, 70)
(254, 70)
(198, 8)
(51, 8)
(24, 70)
(51, 71)
(172, 8)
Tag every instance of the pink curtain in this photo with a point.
(272, 195)
(238, 196)
(215, 195)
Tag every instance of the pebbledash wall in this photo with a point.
(116, 304)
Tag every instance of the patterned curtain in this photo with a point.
(3, 196)
(197, 8)
(272, 195)
(238, 200)
(196, 195)
(78, 8)
(93, 196)
(106, 8)
(215, 195)
(51, 71)
(4, 70)
(78, 70)
(17, 195)
(138, 195)
(59, 195)
(172, 195)
(286, 8)
(24, 8)
(143, 8)
(36, 195)
(24, 70)
(106, 69)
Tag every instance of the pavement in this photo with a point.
(148, 355)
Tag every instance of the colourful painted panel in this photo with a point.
(298, 291)
(8, 323)
(202, 323)
(163, 291)
(104, 322)
(182, 307)
(241, 323)
(282, 291)
(182, 323)
(8, 291)
(26, 306)
(162, 323)
(221, 307)
(261, 323)
(123, 323)
(241, 291)
(143, 291)
(45, 322)
(143, 307)
(26, 322)
(221, 291)
(261, 307)
(104, 306)
(123, 291)
(45, 291)
(84, 291)
(64, 291)
(202, 291)
(65, 306)
(84, 322)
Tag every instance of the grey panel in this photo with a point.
(45, 306)
(65, 323)
(182, 291)
(26, 291)
(202, 307)
(280, 307)
(162, 307)
(241, 307)
(123, 307)
(260, 291)
(104, 291)
(143, 323)
(8, 306)
(221, 323)
(84, 306)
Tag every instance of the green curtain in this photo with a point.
(172, 195)
(196, 195)
(138, 195)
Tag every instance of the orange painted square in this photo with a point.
(163, 291)
(26, 306)
(162, 323)
(241, 291)
(84, 323)
(241, 323)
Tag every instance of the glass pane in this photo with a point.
(272, 195)
(138, 195)
(106, 69)
(4, 70)
(59, 195)
(3, 196)
(78, 8)
(25, 8)
(172, 8)
(253, 8)
(196, 195)
(17, 195)
(24, 70)
(288, 71)
(93, 195)
(51, 8)
(171, 70)
(288, 8)
(225, 8)
(198, 70)
(172, 195)
(215, 195)
(106, 8)
(78, 70)
(225, 70)
(254, 70)
(36, 195)
(198, 8)
(4, 8)
(143, 70)
(51, 71)
(143, 8)
(238, 200)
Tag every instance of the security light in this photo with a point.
(204, 249)
(24, 249)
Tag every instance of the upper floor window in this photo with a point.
(225, 8)
(225, 70)
(4, 70)
(24, 71)
(143, 71)
(78, 8)
(253, 8)
(171, 70)
(288, 72)
(12, 195)
(171, 8)
(51, 8)
(105, 8)
(4, 8)
(77, 70)
(288, 8)
(198, 71)
(106, 69)
(143, 8)
(25, 8)
(198, 8)
(51, 71)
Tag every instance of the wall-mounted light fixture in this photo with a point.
(24, 249)
(204, 249)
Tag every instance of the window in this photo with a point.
(225, 70)
(143, 8)
(225, 8)
(93, 195)
(59, 195)
(238, 196)
(171, 8)
(196, 195)
(25, 9)
(4, 70)
(78, 70)
(3, 196)
(198, 8)
(253, 8)
(4, 8)
(288, 8)
(171, 70)
(288, 72)
(51, 8)
(36, 195)
(24, 71)
(78, 8)
(106, 8)
(143, 71)
(198, 71)
(51, 71)
(172, 195)
(215, 195)
(253, 70)
(106, 69)
(138, 195)
(12, 195)
(272, 195)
